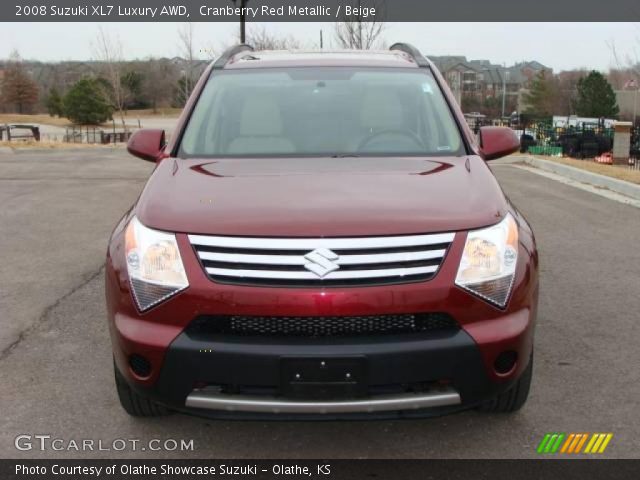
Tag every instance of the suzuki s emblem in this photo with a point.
(321, 262)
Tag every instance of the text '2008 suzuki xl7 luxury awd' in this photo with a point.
(322, 238)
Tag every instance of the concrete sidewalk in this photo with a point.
(621, 187)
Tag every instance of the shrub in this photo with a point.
(85, 103)
(54, 104)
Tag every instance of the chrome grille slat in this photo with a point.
(300, 260)
(337, 275)
(308, 244)
(321, 261)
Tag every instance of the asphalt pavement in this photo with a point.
(55, 356)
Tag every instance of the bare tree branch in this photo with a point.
(109, 52)
(186, 34)
(261, 39)
(356, 32)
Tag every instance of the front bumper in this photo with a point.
(401, 375)
(398, 375)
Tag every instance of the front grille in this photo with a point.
(310, 262)
(349, 326)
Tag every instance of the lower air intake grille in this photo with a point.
(321, 326)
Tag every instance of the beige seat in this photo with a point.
(260, 128)
(381, 111)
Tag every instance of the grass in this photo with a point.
(46, 119)
(149, 113)
(619, 172)
(37, 118)
(47, 145)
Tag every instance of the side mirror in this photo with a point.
(147, 144)
(496, 142)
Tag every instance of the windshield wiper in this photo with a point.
(345, 155)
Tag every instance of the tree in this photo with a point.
(54, 103)
(18, 89)
(158, 82)
(542, 96)
(109, 52)
(596, 97)
(261, 39)
(187, 50)
(85, 103)
(132, 84)
(567, 83)
(357, 33)
(181, 93)
(471, 103)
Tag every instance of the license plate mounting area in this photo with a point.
(323, 378)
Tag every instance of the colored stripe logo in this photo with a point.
(574, 443)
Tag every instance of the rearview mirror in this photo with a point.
(147, 144)
(496, 142)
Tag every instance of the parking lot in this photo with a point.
(55, 356)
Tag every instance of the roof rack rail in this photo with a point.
(412, 51)
(229, 53)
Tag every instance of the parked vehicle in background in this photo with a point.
(322, 238)
(561, 121)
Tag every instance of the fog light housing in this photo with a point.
(140, 365)
(505, 362)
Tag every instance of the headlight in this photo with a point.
(489, 261)
(154, 265)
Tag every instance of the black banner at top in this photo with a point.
(319, 10)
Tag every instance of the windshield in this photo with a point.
(321, 111)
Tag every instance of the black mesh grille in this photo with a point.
(322, 326)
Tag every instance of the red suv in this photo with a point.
(322, 238)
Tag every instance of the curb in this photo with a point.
(6, 150)
(619, 186)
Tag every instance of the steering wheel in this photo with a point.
(390, 132)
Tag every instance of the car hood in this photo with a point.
(312, 197)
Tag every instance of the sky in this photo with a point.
(561, 46)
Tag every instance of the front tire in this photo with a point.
(513, 399)
(133, 403)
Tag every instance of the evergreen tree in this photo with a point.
(132, 85)
(54, 103)
(596, 97)
(542, 96)
(85, 103)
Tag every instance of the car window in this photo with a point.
(330, 111)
